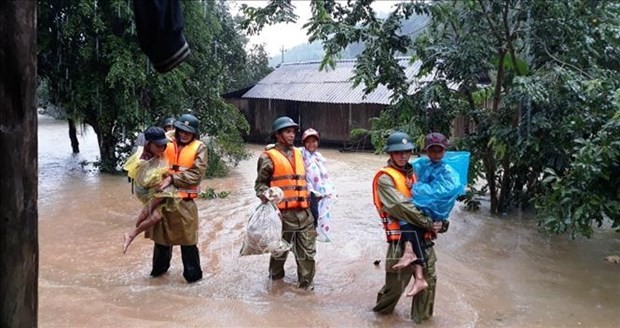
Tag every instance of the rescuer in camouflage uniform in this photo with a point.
(297, 223)
(398, 206)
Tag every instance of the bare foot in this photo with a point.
(127, 239)
(418, 286)
(405, 260)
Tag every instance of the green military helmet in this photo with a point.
(168, 122)
(398, 141)
(188, 123)
(282, 122)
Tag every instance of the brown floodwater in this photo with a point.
(493, 271)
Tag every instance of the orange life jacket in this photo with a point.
(183, 160)
(402, 183)
(291, 178)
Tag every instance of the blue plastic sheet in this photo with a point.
(439, 184)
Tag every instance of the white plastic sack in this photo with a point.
(264, 232)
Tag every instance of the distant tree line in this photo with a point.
(314, 51)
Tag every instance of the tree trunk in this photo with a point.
(107, 146)
(75, 144)
(505, 185)
(489, 169)
(19, 249)
(499, 81)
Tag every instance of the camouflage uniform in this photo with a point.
(297, 227)
(397, 206)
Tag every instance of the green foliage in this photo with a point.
(256, 67)
(94, 70)
(470, 200)
(589, 192)
(210, 193)
(536, 82)
(219, 160)
(431, 110)
(275, 12)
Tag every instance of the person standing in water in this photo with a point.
(434, 192)
(319, 184)
(392, 198)
(187, 157)
(282, 166)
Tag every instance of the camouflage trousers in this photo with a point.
(396, 282)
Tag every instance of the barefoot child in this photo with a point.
(148, 167)
(413, 254)
(434, 194)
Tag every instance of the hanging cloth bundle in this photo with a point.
(159, 24)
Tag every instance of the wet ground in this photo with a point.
(493, 271)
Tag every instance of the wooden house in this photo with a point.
(323, 100)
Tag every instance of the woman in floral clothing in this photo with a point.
(321, 189)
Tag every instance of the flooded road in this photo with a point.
(493, 272)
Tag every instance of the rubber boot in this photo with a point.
(162, 255)
(191, 263)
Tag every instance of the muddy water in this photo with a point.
(493, 272)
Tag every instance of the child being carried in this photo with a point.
(148, 167)
(434, 194)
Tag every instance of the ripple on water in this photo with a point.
(492, 271)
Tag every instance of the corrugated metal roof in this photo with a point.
(304, 82)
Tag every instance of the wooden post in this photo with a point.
(19, 249)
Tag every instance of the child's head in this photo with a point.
(435, 146)
(156, 140)
(310, 140)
